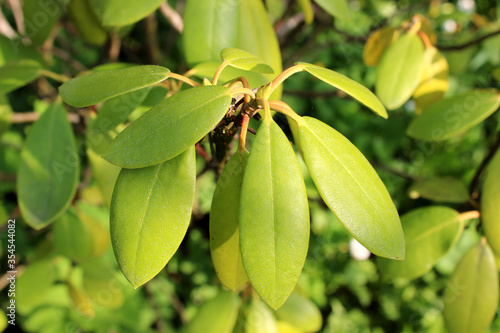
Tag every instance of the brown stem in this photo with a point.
(200, 150)
(473, 214)
(17, 11)
(30, 117)
(5, 28)
(469, 43)
(172, 16)
(114, 47)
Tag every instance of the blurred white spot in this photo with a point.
(358, 251)
(466, 6)
(450, 25)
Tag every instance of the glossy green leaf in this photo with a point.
(273, 238)
(442, 189)
(224, 224)
(39, 18)
(490, 204)
(150, 212)
(216, 316)
(120, 13)
(399, 71)
(72, 238)
(259, 319)
(352, 189)
(307, 9)
(17, 74)
(86, 22)
(99, 86)
(453, 115)
(243, 60)
(5, 114)
(471, 296)
(430, 232)
(301, 313)
(351, 87)
(337, 8)
(170, 127)
(49, 170)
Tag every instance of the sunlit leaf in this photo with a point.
(99, 86)
(49, 170)
(429, 232)
(215, 316)
(17, 74)
(170, 127)
(274, 238)
(399, 71)
(243, 60)
(224, 224)
(490, 204)
(303, 314)
(259, 319)
(150, 212)
(471, 295)
(307, 9)
(352, 189)
(119, 13)
(337, 8)
(377, 44)
(442, 189)
(351, 87)
(453, 115)
(86, 22)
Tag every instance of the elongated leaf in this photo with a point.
(99, 86)
(72, 238)
(224, 224)
(336, 8)
(430, 232)
(150, 212)
(170, 127)
(453, 115)
(216, 316)
(274, 237)
(86, 22)
(352, 189)
(49, 169)
(119, 13)
(471, 296)
(40, 18)
(399, 71)
(301, 313)
(17, 74)
(243, 60)
(490, 204)
(377, 44)
(442, 189)
(347, 85)
(307, 9)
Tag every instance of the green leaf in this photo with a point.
(33, 284)
(49, 170)
(490, 204)
(454, 115)
(120, 13)
(243, 60)
(216, 316)
(442, 189)
(99, 86)
(170, 127)
(81, 301)
(72, 238)
(5, 114)
(17, 74)
(274, 237)
(224, 224)
(301, 313)
(399, 71)
(430, 232)
(471, 296)
(351, 87)
(105, 175)
(352, 189)
(337, 8)
(150, 212)
(39, 19)
(259, 319)
(308, 10)
(86, 22)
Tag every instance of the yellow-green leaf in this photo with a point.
(244, 60)
(490, 204)
(351, 188)
(99, 86)
(430, 232)
(224, 224)
(72, 238)
(303, 314)
(442, 189)
(259, 319)
(5, 114)
(307, 10)
(399, 71)
(471, 296)
(17, 74)
(351, 87)
(274, 216)
(150, 212)
(454, 115)
(336, 8)
(49, 170)
(81, 301)
(377, 44)
(120, 13)
(33, 284)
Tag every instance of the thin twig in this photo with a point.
(172, 16)
(5, 28)
(467, 44)
(480, 170)
(30, 117)
(114, 47)
(473, 214)
(17, 11)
